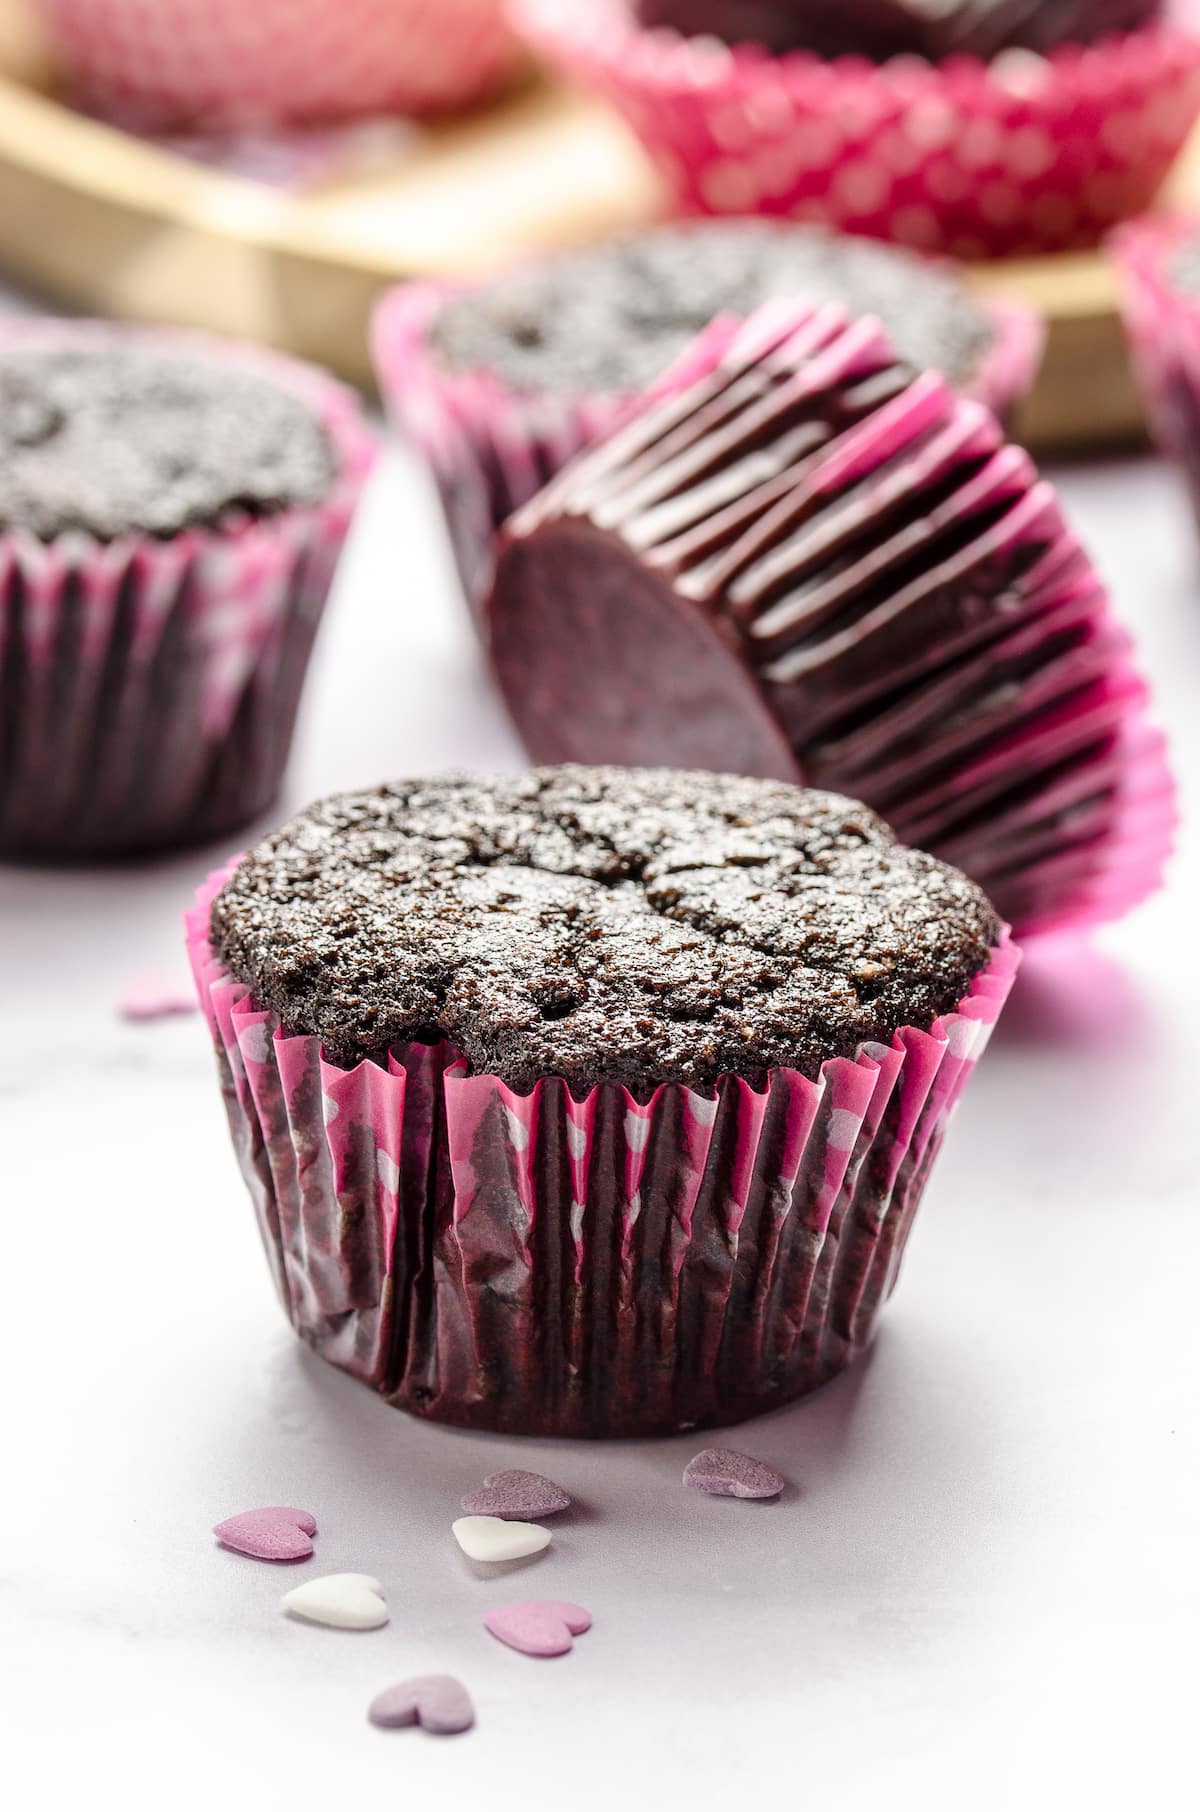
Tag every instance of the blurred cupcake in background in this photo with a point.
(1158, 259)
(280, 62)
(803, 562)
(976, 129)
(499, 384)
(172, 508)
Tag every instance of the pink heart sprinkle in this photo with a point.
(275, 1533)
(517, 1497)
(152, 996)
(539, 1626)
(438, 1702)
(723, 1473)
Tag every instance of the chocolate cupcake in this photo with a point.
(591, 1101)
(171, 510)
(499, 384)
(979, 130)
(1158, 260)
(805, 562)
(880, 29)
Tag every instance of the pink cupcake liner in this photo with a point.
(1162, 323)
(1024, 154)
(533, 1263)
(894, 609)
(148, 688)
(281, 61)
(491, 448)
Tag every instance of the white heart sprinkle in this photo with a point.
(491, 1538)
(343, 1601)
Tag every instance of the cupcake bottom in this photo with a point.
(145, 718)
(601, 1267)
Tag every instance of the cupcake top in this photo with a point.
(600, 924)
(879, 29)
(613, 317)
(112, 436)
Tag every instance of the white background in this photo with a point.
(981, 1589)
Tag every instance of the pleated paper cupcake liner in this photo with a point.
(491, 448)
(1162, 322)
(533, 1263)
(262, 62)
(148, 688)
(807, 563)
(1023, 154)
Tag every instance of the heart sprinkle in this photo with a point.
(516, 1496)
(539, 1626)
(155, 997)
(489, 1538)
(723, 1473)
(275, 1533)
(439, 1703)
(342, 1601)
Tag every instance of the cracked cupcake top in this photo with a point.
(600, 924)
(113, 435)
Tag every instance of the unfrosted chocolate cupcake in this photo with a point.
(801, 561)
(499, 384)
(170, 513)
(598, 1101)
(879, 29)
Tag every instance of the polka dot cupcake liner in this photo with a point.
(1162, 322)
(536, 1264)
(256, 62)
(148, 688)
(806, 563)
(491, 448)
(1023, 154)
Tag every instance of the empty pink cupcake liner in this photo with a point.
(1162, 323)
(491, 448)
(148, 688)
(1024, 154)
(532, 1263)
(254, 62)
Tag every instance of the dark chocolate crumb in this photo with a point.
(115, 436)
(600, 924)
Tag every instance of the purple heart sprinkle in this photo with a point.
(516, 1496)
(723, 1473)
(439, 1703)
(275, 1533)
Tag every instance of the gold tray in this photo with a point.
(103, 221)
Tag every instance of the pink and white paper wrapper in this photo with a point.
(491, 448)
(256, 62)
(532, 1263)
(149, 688)
(1162, 322)
(1024, 154)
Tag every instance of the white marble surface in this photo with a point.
(982, 1591)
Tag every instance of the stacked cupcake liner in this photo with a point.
(225, 62)
(1163, 326)
(920, 627)
(491, 448)
(148, 688)
(533, 1263)
(1022, 154)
